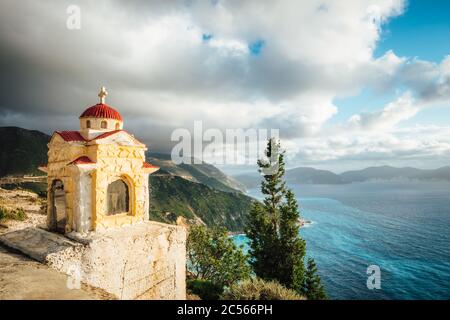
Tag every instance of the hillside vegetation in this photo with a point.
(204, 173)
(172, 196)
(22, 151)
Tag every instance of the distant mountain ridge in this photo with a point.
(308, 175)
(312, 176)
(390, 173)
(22, 151)
(202, 173)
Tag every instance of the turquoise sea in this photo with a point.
(403, 227)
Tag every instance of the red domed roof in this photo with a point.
(101, 110)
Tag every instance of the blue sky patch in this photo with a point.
(423, 31)
(256, 47)
(207, 36)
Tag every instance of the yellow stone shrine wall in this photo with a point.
(59, 155)
(119, 162)
(96, 124)
(113, 162)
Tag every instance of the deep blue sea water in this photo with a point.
(403, 227)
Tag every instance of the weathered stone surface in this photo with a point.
(24, 279)
(37, 243)
(141, 261)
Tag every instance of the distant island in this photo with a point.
(306, 175)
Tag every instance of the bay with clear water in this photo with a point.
(403, 227)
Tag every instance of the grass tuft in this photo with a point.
(12, 214)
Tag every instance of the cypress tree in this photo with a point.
(263, 223)
(293, 246)
(276, 248)
(314, 289)
(263, 244)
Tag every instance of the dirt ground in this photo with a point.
(34, 207)
(24, 279)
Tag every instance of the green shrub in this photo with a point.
(19, 214)
(205, 289)
(258, 289)
(213, 256)
(12, 214)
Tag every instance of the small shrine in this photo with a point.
(97, 176)
(98, 213)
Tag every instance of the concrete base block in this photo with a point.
(146, 260)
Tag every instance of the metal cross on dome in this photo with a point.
(102, 95)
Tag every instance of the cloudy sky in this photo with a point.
(348, 83)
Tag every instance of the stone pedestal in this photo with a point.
(142, 261)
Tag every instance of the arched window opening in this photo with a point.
(88, 124)
(104, 124)
(118, 197)
(117, 126)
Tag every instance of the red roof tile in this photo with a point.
(149, 165)
(110, 133)
(101, 110)
(71, 135)
(106, 134)
(82, 160)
